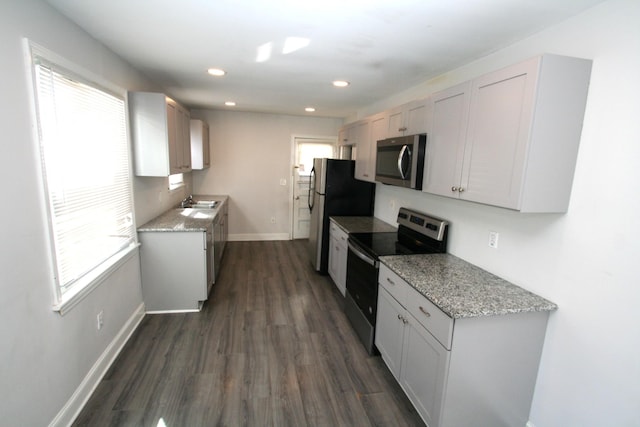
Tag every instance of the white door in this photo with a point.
(305, 150)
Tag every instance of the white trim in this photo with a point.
(76, 402)
(256, 237)
(95, 279)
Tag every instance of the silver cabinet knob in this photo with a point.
(460, 190)
(454, 188)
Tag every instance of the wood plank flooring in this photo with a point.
(271, 347)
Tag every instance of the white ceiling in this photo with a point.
(381, 46)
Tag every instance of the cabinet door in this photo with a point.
(184, 141)
(378, 131)
(333, 266)
(395, 124)
(499, 127)
(175, 153)
(416, 117)
(364, 171)
(389, 331)
(342, 265)
(446, 140)
(199, 137)
(424, 370)
(206, 149)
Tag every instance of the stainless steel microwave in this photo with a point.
(400, 161)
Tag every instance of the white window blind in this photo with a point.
(86, 167)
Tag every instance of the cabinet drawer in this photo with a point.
(395, 285)
(430, 316)
(338, 233)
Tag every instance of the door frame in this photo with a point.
(292, 183)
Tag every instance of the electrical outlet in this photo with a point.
(273, 220)
(283, 181)
(493, 239)
(100, 320)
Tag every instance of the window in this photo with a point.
(87, 178)
(308, 149)
(176, 181)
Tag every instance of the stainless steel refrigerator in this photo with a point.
(333, 191)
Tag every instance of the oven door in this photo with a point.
(362, 281)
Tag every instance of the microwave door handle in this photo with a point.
(403, 151)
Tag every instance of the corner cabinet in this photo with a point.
(200, 152)
(478, 371)
(510, 138)
(160, 128)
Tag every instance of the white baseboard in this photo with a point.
(74, 405)
(258, 236)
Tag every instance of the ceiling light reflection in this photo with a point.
(218, 72)
(291, 44)
(230, 103)
(309, 109)
(264, 52)
(341, 83)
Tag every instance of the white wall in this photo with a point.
(586, 261)
(44, 357)
(250, 154)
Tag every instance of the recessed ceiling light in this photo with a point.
(340, 83)
(216, 72)
(309, 109)
(230, 104)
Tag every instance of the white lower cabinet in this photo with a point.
(176, 269)
(338, 256)
(458, 372)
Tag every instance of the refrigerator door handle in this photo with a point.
(312, 186)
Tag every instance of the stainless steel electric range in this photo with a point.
(418, 233)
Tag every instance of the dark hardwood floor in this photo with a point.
(271, 347)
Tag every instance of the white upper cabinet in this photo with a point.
(200, 152)
(446, 139)
(408, 119)
(160, 130)
(365, 156)
(510, 138)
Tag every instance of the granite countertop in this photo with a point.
(362, 224)
(186, 219)
(461, 289)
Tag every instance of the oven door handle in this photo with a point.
(364, 257)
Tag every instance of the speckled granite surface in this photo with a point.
(185, 219)
(461, 289)
(362, 224)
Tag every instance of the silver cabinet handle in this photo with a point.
(425, 312)
(391, 281)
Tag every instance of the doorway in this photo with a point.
(305, 149)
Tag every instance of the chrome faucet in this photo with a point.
(187, 202)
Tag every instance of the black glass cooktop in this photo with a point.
(404, 242)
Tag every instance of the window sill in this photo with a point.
(95, 279)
